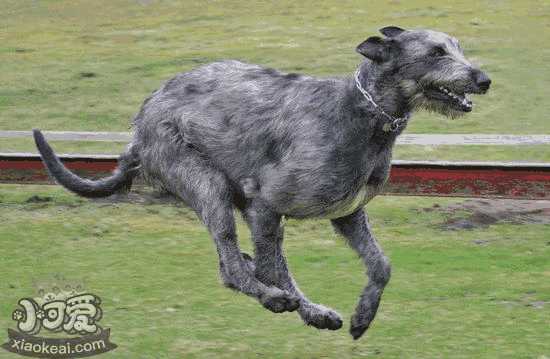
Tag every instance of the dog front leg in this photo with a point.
(355, 228)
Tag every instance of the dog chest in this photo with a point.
(369, 186)
(353, 202)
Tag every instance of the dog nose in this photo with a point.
(482, 80)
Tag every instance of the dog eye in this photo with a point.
(438, 51)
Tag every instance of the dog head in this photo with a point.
(430, 67)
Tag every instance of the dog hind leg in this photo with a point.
(208, 192)
(271, 268)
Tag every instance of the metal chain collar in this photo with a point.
(394, 123)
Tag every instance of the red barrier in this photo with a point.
(473, 179)
(465, 179)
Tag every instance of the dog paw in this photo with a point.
(320, 317)
(359, 326)
(279, 301)
(247, 265)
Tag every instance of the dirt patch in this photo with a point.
(527, 300)
(87, 74)
(481, 213)
(141, 195)
(38, 199)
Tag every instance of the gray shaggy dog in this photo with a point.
(233, 135)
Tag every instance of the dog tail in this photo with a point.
(119, 181)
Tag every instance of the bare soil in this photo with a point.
(481, 213)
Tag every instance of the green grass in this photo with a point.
(88, 147)
(155, 269)
(539, 153)
(82, 65)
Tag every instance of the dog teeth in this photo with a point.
(463, 99)
(448, 92)
(466, 103)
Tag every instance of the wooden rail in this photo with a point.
(426, 178)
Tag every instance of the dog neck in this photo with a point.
(384, 89)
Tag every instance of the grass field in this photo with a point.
(88, 65)
(82, 65)
(478, 293)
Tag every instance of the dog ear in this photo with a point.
(375, 48)
(391, 31)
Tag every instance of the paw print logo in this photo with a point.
(40, 314)
(18, 315)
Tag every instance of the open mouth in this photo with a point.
(459, 101)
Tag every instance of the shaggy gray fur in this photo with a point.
(233, 135)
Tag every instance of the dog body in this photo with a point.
(233, 135)
(303, 145)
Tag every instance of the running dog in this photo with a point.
(233, 135)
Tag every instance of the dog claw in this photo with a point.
(280, 301)
(357, 332)
(320, 317)
(358, 329)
